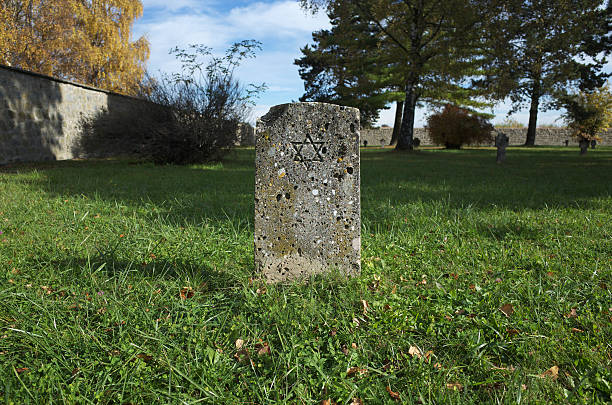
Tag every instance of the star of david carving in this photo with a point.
(308, 143)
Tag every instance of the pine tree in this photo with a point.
(425, 49)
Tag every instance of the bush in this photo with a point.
(187, 117)
(455, 126)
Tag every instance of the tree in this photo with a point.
(536, 49)
(429, 46)
(343, 66)
(82, 40)
(192, 115)
(588, 114)
(455, 126)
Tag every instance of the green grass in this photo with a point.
(94, 255)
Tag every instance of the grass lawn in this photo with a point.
(129, 283)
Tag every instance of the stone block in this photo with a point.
(307, 191)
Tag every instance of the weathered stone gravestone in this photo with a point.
(307, 195)
(501, 142)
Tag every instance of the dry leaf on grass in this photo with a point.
(572, 314)
(576, 330)
(186, 292)
(365, 305)
(262, 349)
(357, 401)
(145, 357)
(552, 372)
(507, 309)
(328, 402)
(454, 386)
(351, 371)
(394, 395)
(415, 352)
(239, 343)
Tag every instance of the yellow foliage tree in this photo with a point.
(88, 41)
(589, 114)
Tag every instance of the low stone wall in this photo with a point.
(544, 136)
(40, 116)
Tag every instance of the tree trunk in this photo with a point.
(404, 142)
(584, 146)
(533, 115)
(399, 106)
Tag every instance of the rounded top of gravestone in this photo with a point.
(310, 107)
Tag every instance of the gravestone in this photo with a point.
(307, 195)
(501, 142)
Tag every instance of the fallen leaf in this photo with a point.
(415, 352)
(365, 305)
(263, 349)
(572, 314)
(513, 332)
(422, 282)
(47, 289)
(328, 402)
(21, 370)
(523, 387)
(351, 371)
(576, 330)
(552, 372)
(394, 395)
(242, 355)
(114, 352)
(345, 350)
(239, 343)
(121, 236)
(261, 291)
(357, 401)
(186, 292)
(438, 366)
(550, 274)
(354, 345)
(333, 332)
(507, 309)
(144, 357)
(454, 386)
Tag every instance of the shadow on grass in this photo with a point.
(530, 179)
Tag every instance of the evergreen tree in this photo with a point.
(424, 48)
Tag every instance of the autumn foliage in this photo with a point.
(455, 126)
(82, 40)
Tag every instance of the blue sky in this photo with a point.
(281, 26)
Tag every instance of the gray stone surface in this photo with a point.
(307, 191)
(544, 136)
(501, 143)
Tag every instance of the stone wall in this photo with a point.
(544, 136)
(40, 116)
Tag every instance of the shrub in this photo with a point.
(187, 117)
(455, 126)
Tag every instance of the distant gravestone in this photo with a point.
(501, 142)
(593, 143)
(307, 196)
